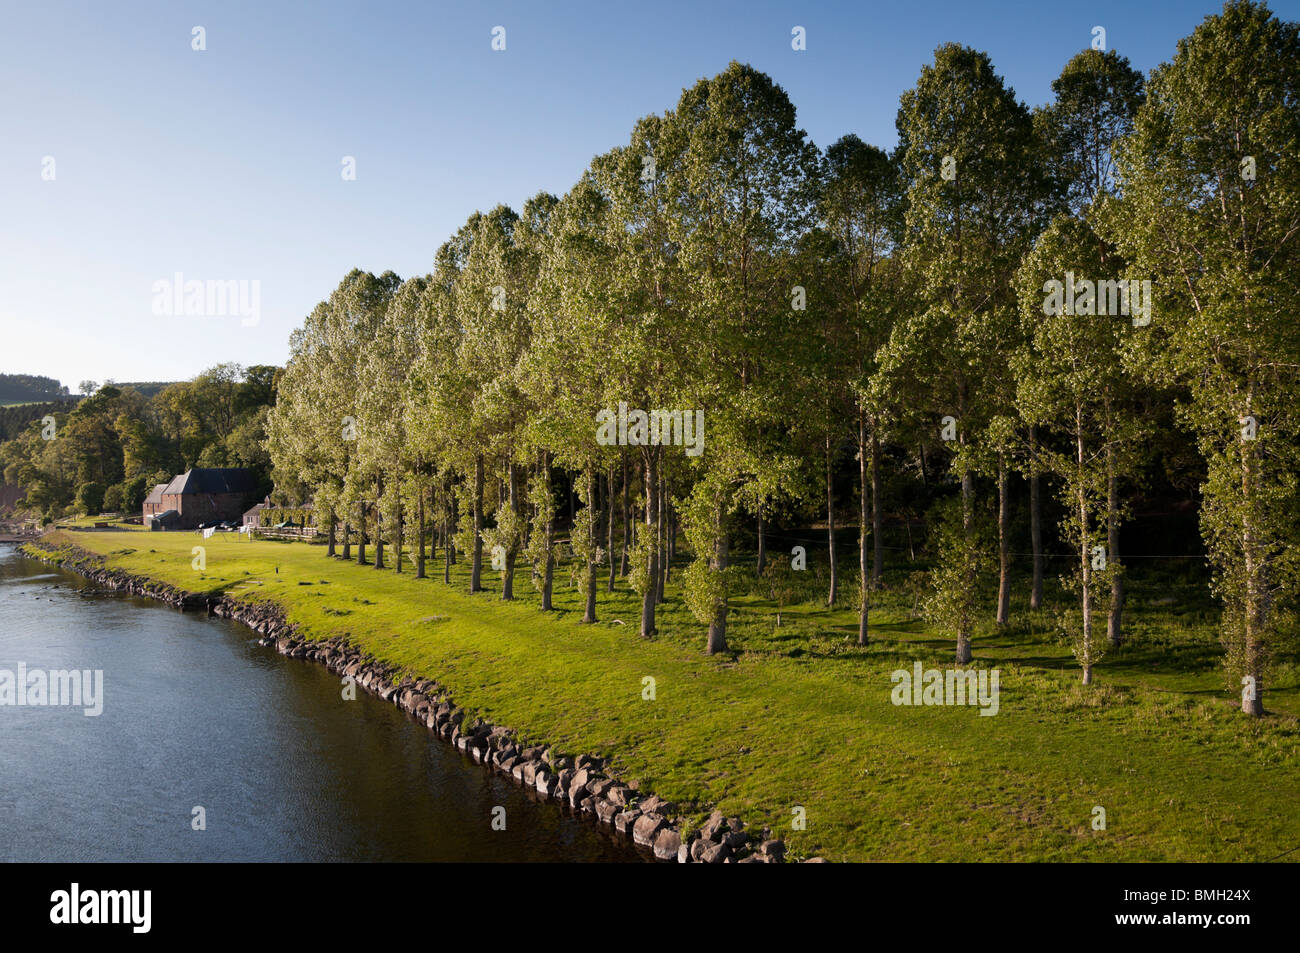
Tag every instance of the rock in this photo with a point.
(667, 844)
(529, 772)
(736, 838)
(618, 794)
(578, 787)
(623, 822)
(717, 854)
(684, 853)
(774, 849)
(563, 780)
(751, 859)
(545, 783)
(605, 810)
(654, 804)
(816, 860)
(646, 828)
(699, 846)
(713, 826)
(599, 786)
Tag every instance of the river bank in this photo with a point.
(582, 781)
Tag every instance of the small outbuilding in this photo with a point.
(167, 519)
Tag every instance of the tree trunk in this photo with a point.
(965, 622)
(627, 521)
(1085, 561)
(609, 531)
(1004, 544)
(420, 530)
(968, 526)
(379, 524)
(762, 540)
(661, 543)
(347, 540)
(672, 534)
(508, 584)
(830, 526)
(864, 580)
(877, 513)
(1252, 702)
(1035, 522)
(548, 569)
(1115, 620)
(452, 523)
(589, 613)
(650, 596)
(333, 523)
(448, 551)
(476, 567)
(361, 536)
(718, 624)
(399, 532)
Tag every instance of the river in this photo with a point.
(197, 714)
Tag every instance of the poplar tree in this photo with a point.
(971, 164)
(1210, 210)
(739, 193)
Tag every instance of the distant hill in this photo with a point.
(29, 388)
(18, 389)
(15, 418)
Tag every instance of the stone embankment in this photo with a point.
(582, 782)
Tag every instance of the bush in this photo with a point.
(133, 493)
(90, 498)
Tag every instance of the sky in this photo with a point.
(128, 157)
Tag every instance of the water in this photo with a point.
(196, 713)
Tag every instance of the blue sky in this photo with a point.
(225, 164)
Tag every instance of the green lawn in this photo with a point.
(801, 717)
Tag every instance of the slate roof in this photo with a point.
(155, 495)
(212, 480)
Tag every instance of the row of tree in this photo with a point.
(1043, 294)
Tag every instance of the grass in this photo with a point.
(800, 716)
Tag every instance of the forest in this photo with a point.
(107, 450)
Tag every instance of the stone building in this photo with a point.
(202, 495)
